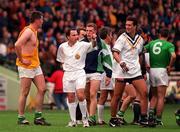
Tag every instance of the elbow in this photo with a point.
(174, 56)
(17, 46)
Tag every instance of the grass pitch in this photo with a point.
(59, 120)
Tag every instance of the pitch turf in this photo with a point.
(59, 119)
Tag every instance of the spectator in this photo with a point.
(58, 94)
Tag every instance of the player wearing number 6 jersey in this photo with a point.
(162, 57)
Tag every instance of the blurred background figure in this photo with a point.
(58, 94)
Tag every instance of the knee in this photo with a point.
(42, 90)
(71, 98)
(81, 97)
(92, 96)
(102, 100)
(24, 94)
(132, 97)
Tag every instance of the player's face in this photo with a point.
(39, 22)
(73, 37)
(110, 38)
(82, 34)
(130, 27)
(90, 31)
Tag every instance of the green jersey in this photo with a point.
(160, 53)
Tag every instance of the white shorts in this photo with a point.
(29, 73)
(73, 81)
(103, 85)
(158, 77)
(93, 76)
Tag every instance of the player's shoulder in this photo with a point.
(83, 42)
(26, 31)
(63, 45)
(121, 37)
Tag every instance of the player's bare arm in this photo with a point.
(94, 36)
(172, 60)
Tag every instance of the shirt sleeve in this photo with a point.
(118, 45)
(60, 54)
(171, 48)
(88, 46)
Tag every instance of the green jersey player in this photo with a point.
(162, 57)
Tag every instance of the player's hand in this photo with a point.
(145, 77)
(94, 36)
(26, 62)
(124, 66)
(147, 68)
(169, 69)
(107, 81)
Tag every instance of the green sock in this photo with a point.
(38, 115)
(21, 117)
(151, 113)
(159, 118)
(93, 118)
(121, 113)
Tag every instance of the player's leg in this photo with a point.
(87, 94)
(152, 107)
(94, 86)
(39, 82)
(118, 91)
(100, 106)
(80, 87)
(130, 90)
(161, 91)
(25, 84)
(72, 108)
(141, 87)
(136, 110)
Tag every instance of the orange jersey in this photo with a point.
(34, 57)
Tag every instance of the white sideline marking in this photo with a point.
(9, 77)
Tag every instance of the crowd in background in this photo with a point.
(59, 15)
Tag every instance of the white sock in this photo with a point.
(72, 110)
(83, 108)
(100, 112)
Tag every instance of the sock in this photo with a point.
(83, 108)
(121, 114)
(144, 118)
(159, 118)
(38, 114)
(21, 117)
(93, 118)
(72, 110)
(78, 113)
(136, 110)
(100, 109)
(151, 113)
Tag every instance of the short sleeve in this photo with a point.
(171, 48)
(118, 45)
(60, 54)
(87, 45)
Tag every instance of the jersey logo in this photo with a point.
(77, 56)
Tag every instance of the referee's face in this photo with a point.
(73, 37)
(130, 28)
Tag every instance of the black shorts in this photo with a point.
(129, 80)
